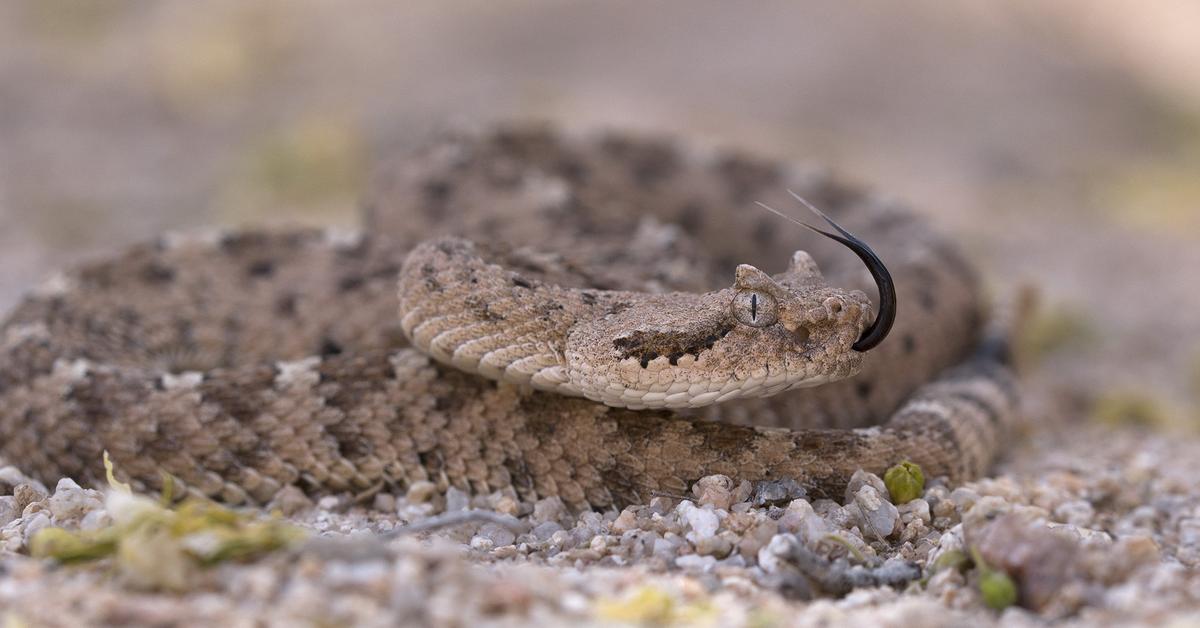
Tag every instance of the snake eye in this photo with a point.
(754, 308)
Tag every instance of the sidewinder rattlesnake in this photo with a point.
(241, 363)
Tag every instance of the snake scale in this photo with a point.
(539, 272)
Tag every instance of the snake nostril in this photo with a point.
(834, 305)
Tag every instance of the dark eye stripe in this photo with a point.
(754, 307)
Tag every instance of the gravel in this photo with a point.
(1114, 538)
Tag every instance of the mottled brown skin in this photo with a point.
(243, 363)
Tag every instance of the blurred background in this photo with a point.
(1059, 139)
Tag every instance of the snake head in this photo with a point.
(761, 336)
(795, 315)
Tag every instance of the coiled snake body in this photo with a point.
(245, 362)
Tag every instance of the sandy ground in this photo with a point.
(1058, 141)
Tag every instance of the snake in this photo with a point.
(584, 315)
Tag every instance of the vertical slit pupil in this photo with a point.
(754, 307)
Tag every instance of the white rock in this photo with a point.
(8, 510)
(70, 503)
(694, 561)
(917, 508)
(805, 522)
(862, 478)
(774, 554)
(34, 524)
(1076, 512)
(879, 517)
(702, 521)
(544, 530)
(456, 500)
(497, 534)
(714, 490)
(549, 509)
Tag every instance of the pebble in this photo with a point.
(879, 517)
(33, 524)
(716, 491)
(549, 509)
(499, 535)
(544, 530)
(801, 519)
(11, 477)
(862, 478)
(70, 503)
(718, 545)
(777, 492)
(964, 498)
(916, 509)
(8, 510)
(723, 537)
(696, 562)
(27, 493)
(1042, 561)
(702, 521)
(1076, 512)
(456, 500)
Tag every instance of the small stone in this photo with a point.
(1189, 531)
(1127, 555)
(549, 509)
(702, 521)
(8, 510)
(625, 521)
(696, 562)
(742, 492)
(913, 530)
(505, 551)
(1041, 561)
(719, 546)
(777, 492)
(1076, 512)
(772, 558)
(714, 490)
(879, 517)
(985, 509)
(27, 494)
(12, 477)
(861, 478)
(917, 509)
(481, 543)
(70, 503)
(661, 505)
(506, 505)
(34, 524)
(758, 536)
(963, 498)
(457, 500)
(329, 502)
(544, 530)
(801, 519)
(561, 540)
(499, 535)
(95, 520)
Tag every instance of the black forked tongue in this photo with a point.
(882, 325)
